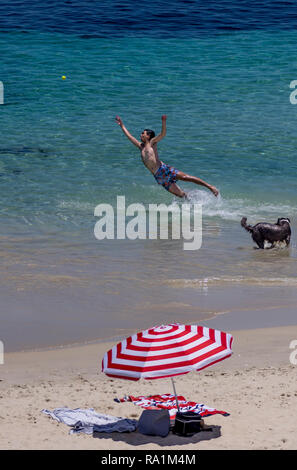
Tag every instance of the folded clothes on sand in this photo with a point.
(168, 402)
(88, 421)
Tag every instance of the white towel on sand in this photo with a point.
(88, 421)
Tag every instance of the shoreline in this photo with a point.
(257, 386)
(230, 319)
(64, 323)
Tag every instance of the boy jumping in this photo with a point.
(164, 174)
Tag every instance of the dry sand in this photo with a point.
(257, 386)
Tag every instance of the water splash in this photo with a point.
(235, 209)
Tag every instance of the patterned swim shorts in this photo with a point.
(166, 175)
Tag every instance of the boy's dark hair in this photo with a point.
(150, 133)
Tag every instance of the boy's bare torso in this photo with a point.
(150, 157)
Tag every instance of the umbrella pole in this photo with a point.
(175, 394)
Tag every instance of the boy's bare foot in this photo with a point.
(214, 190)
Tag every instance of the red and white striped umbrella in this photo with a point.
(166, 351)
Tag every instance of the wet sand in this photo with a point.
(57, 315)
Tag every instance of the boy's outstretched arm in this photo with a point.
(127, 133)
(156, 139)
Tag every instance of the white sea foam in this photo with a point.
(76, 205)
(235, 209)
(231, 280)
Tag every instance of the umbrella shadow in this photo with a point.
(137, 439)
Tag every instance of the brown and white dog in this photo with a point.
(272, 233)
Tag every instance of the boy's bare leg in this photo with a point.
(193, 179)
(176, 190)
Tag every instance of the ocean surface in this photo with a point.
(221, 72)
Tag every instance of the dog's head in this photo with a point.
(283, 220)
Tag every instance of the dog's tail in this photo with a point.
(249, 228)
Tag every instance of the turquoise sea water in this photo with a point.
(229, 122)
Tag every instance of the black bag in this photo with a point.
(187, 423)
(154, 423)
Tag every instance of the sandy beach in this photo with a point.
(257, 386)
